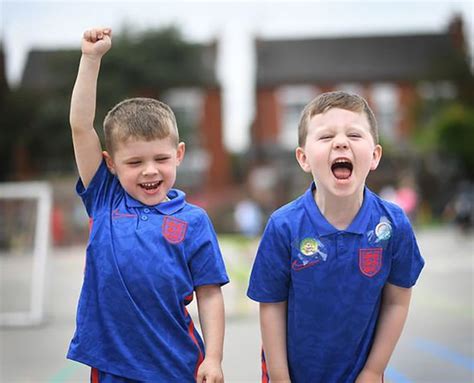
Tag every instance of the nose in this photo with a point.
(149, 169)
(340, 142)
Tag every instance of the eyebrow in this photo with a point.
(161, 154)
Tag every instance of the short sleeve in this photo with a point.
(270, 276)
(407, 262)
(99, 190)
(205, 260)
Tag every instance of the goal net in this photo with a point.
(25, 213)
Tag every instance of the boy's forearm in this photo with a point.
(83, 100)
(273, 328)
(211, 316)
(87, 148)
(393, 316)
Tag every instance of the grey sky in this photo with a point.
(56, 24)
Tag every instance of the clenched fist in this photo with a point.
(96, 42)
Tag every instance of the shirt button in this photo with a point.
(144, 217)
(146, 210)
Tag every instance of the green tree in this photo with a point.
(139, 64)
(453, 131)
(17, 111)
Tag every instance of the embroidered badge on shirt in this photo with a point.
(382, 232)
(310, 252)
(309, 246)
(173, 229)
(370, 261)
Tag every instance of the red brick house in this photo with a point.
(197, 105)
(391, 71)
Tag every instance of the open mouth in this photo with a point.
(342, 168)
(150, 185)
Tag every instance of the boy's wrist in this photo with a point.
(369, 375)
(280, 375)
(280, 379)
(217, 358)
(91, 58)
(373, 368)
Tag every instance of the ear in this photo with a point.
(376, 156)
(180, 152)
(109, 162)
(302, 159)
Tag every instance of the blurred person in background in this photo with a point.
(460, 209)
(406, 197)
(248, 218)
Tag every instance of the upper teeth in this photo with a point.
(150, 184)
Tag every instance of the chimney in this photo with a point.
(3, 76)
(456, 31)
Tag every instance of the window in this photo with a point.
(385, 107)
(292, 99)
(187, 107)
(440, 90)
(350, 87)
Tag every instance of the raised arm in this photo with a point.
(393, 314)
(273, 328)
(87, 148)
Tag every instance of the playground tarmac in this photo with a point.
(437, 345)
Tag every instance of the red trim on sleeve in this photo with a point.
(265, 376)
(94, 375)
(195, 341)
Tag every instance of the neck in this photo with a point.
(339, 211)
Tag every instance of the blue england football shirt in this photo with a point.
(333, 281)
(143, 264)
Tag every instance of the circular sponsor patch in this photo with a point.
(308, 246)
(383, 231)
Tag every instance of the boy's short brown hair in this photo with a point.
(141, 118)
(338, 99)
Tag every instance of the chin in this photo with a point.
(148, 200)
(346, 189)
(154, 200)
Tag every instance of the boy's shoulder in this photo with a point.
(192, 213)
(390, 209)
(194, 210)
(292, 210)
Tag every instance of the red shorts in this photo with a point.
(104, 377)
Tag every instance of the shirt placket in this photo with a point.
(143, 216)
(341, 248)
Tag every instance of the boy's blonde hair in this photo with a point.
(338, 99)
(139, 118)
